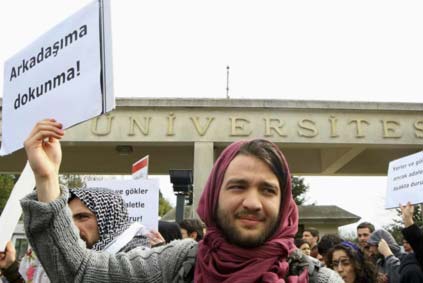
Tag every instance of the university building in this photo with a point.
(328, 138)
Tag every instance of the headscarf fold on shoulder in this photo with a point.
(219, 261)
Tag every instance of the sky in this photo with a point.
(360, 50)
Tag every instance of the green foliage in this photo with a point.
(350, 236)
(164, 205)
(299, 189)
(7, 181)
(395, 228)
(71, 181)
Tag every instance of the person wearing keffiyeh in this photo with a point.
(111, 217)
(247, 207)
(101, 217)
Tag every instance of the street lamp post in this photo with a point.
(182, 187)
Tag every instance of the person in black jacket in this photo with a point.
(411, 269)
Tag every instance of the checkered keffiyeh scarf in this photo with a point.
(111, 212)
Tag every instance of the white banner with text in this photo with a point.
(65, 74)
(141, 197)
(405, 181)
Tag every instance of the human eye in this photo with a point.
(345, 262)
(335, 264)
(270, 190)
(235, 187)
(80, 217)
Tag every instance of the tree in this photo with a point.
(164, 205)
(396, 227)
(71, 181)
(7, 181)
(299, 189)
(350, 236)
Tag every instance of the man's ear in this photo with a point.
(193, 235)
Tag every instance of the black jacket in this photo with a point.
(414, 235)
(410, 271)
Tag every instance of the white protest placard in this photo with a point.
(141, 198)
(12, 211)
(405, 181)
(66, 74)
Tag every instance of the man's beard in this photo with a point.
(234, 236)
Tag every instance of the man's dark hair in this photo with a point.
(313, 231)
(170, 231)
(368, 225)
(266, 152)
(193, 225)
(327, 242)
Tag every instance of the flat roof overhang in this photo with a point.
(317, 137)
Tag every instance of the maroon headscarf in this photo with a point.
(219, 261)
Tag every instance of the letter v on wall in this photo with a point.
(201, 130)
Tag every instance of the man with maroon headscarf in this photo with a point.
(251, 218)
(247, 206)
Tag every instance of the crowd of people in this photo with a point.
(247, 232)
(374, 256)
